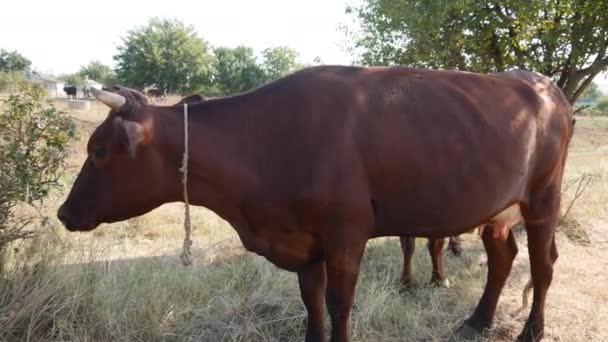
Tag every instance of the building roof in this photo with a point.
(38, 77)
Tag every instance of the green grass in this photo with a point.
(243, 298)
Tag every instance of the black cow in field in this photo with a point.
(70, 91)
(156, 95)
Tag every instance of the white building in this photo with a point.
(52, 85)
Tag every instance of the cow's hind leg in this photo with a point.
(500, 259)
(408, 246)
(312, 288)
(541, 220)
(435, 247)
(455, 245)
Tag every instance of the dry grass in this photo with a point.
(123, 282)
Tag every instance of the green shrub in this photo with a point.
(33, 141)
(602, 105)
(10, 80)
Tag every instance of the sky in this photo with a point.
(59, 36)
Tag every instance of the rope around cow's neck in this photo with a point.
(186, 253)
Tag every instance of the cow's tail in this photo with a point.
(524, 297)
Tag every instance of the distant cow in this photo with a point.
(435, 247)
(70, 91)
(156, 95)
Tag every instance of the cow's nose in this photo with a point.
(62, 216)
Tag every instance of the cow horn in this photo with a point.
(112, 100)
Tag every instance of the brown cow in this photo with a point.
(309, 167)
(408, 244)
(435, 247)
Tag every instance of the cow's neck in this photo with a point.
(219, 170)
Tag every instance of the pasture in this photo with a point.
(124, 282)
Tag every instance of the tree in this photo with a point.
(75, 79)
(279, 61)
(602, 104)
(563, 39)
(98, 71)
(9, 81)
(236, 70)
(13, 61)
(165, 54)
(591, 94)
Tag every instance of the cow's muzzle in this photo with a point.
(71, 223)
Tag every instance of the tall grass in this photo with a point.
(241, 298)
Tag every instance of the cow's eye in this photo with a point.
(99, 153)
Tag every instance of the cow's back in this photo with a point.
(447, 150)
(430, 151)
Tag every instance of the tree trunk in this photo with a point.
(570, 88)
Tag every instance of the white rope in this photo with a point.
(186, 253)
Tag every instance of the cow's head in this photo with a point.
(125, 173)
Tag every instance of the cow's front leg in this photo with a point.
(312, 287)
(408, 246)
(342, 264)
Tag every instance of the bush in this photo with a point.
(33, 141)
(9, 80)
(602, 105)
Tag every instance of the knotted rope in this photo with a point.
(186, 253)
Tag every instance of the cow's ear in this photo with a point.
(129, 134)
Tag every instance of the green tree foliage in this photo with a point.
(165, 54)
(75, 79)
(13, 67)
(279, 61)
(602, 105)
(13, 61)
(591, 94)
(99, 72)
(9, 80)
(564, 39)
(236, 70)
(33, 141)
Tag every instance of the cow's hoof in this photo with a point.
(405, 287)
(466, 332)
(445, 283)
(528, 335)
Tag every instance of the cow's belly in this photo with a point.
(435, 209)
(289, 249)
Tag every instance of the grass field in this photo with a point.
(123, 282)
